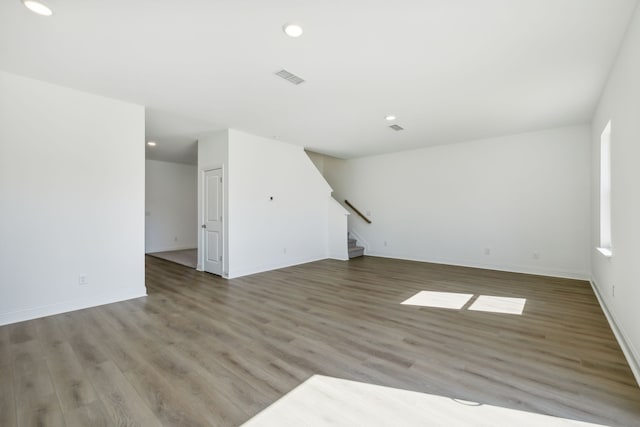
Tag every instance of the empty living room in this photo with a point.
(320, 213)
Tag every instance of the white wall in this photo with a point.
(213, 153)
(620, 103)
(267, 234)
(337, 229)
(514, 195)
(171, 206)
(277, 208)
(71, 199)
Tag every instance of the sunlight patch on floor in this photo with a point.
(457, 301)
(439, 299)
(498, 304)
(326, 401)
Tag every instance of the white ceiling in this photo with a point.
(450, 70)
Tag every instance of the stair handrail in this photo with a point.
(357, 211)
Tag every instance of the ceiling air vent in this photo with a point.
(290, 77)
(396, 127)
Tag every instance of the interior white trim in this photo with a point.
(66, 306)
(269, 267)
(630, 353)
(172, 248)
(577, 275)
(202, 170)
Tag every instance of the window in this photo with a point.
(605, 191)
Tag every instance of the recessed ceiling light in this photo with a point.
(151, 144)
(37, 7)
(292, 30)
(390, 118)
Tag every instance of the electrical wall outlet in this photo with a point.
(83, 280)
(487, 251)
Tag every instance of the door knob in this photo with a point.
(204, 225)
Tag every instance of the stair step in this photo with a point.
(352, 243)
(356, 251)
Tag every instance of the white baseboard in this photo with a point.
(269, 267)
(630, 353)
(578, 275)
(66, 306)
(170, 248)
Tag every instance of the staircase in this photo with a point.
(354, 249)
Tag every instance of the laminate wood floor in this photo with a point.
(200, 350)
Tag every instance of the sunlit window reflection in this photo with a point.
(439, 299)
(327, 401)
(498, 304)
(457, 301)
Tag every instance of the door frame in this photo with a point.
(201, 215)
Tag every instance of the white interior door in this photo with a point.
(212, 226)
